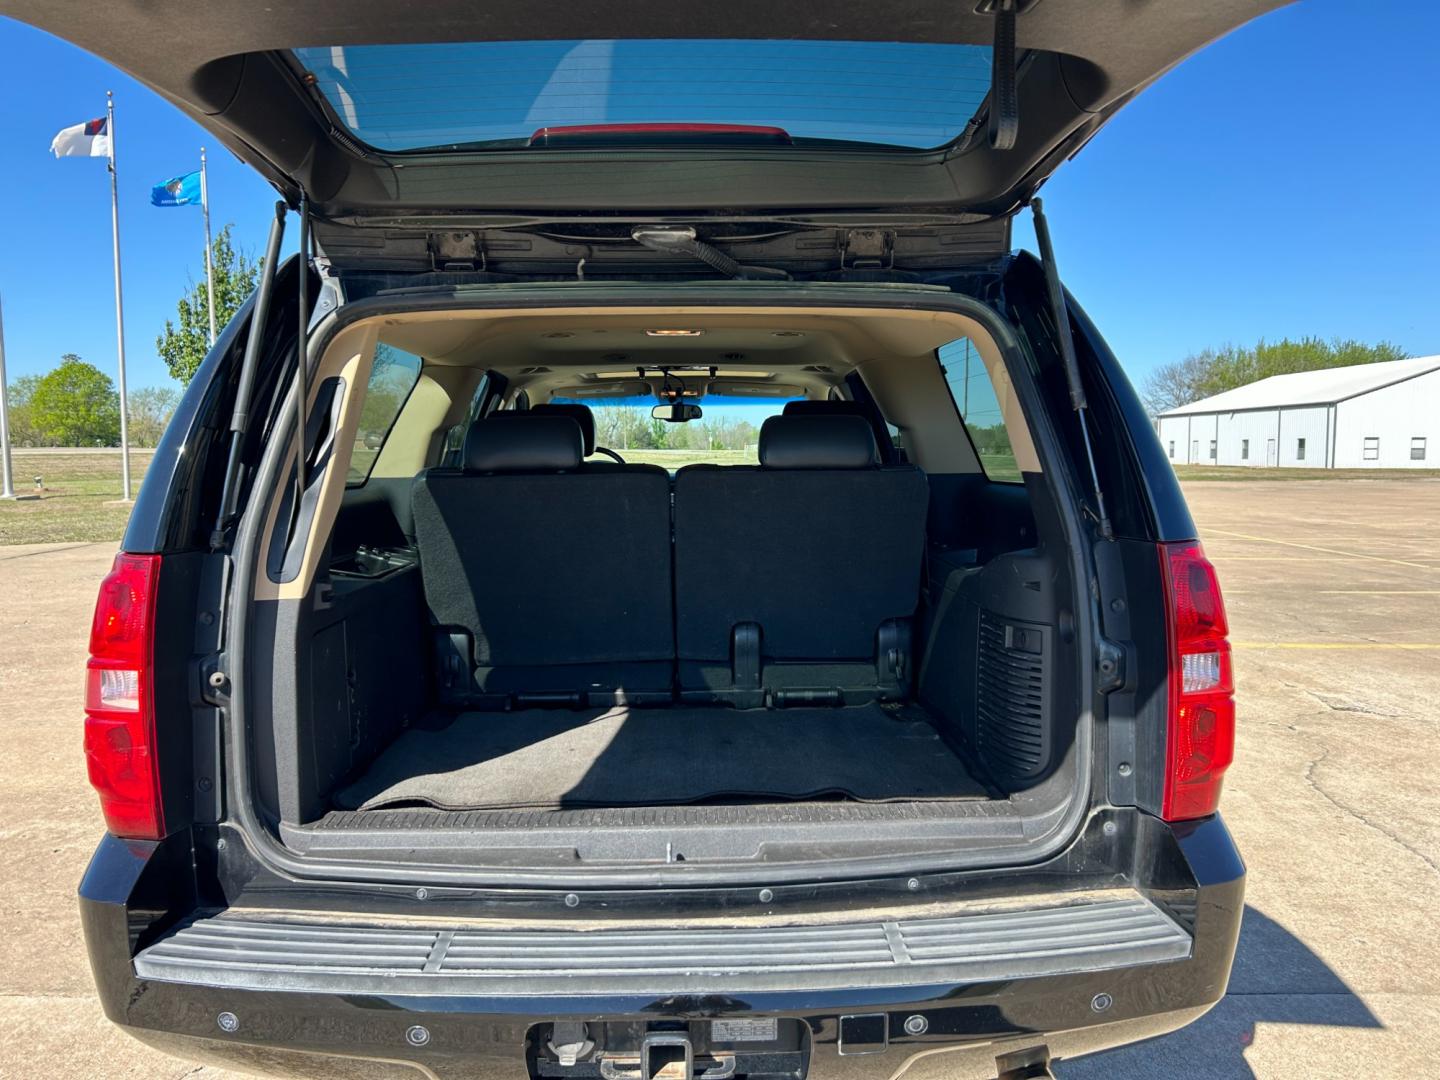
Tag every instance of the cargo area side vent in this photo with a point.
(1012, 728)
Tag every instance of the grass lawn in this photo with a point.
(71, 507)
(1243, 472)
(1000, 466)
(79, 483)
(676, 459)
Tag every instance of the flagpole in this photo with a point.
(8, 491)
(209, 268)
(119, 302)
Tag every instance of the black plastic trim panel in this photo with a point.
(769, 814)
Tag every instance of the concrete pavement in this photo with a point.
(1333, 589)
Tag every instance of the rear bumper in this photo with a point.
(1072, 974)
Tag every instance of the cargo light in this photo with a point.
(1200, 736)
(120, 751)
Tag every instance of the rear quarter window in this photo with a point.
(974, 396)
(393, 376)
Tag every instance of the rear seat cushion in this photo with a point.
(819, 580)
(543, 564)
(817, 545)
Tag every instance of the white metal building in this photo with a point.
(1370, 416)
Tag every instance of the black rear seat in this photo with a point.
(841, 407)
(551, 582)
(548, 583)
(582, 415)
(796, 581)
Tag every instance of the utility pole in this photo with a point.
(8, 491)
(965, 408)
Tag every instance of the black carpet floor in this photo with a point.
(643, 757)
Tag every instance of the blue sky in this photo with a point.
(1282, 182)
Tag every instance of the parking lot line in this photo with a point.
(1380, 592)
(1324, 550)
(1222, 559)
(1409, 645)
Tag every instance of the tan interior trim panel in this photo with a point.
(893, 350)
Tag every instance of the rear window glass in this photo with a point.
(975, 401)
(446, 96)
(391, 379)
(727, 434)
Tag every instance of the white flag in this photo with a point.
(90, 139)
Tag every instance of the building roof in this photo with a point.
(1324, 387)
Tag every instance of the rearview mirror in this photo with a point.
(680, 412)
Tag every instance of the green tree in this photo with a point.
(1178, 383)
(990, 439)
(1213, 371)
(20, 397)
(391, 380)
(76, 405)
(657, 435)
(686, 436)
(183, 347)
(150, 410)
(621, 427)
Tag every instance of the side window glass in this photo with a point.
(454, 440)
(455, 434)
(391, 379)
(897, 437)
(975, 401)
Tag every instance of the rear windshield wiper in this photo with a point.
(682, 240)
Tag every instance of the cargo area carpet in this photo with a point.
(550, 759)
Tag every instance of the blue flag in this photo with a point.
(179, 191)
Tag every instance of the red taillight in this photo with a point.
(120, 701)
(1200, 742)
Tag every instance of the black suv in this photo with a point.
(701, 606)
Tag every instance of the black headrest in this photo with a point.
(581, 414)
(523, 442)
(817, 442)
(833, 407)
